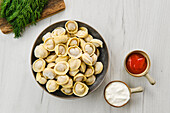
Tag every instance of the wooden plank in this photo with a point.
(52, 8)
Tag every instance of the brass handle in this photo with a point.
(150, 79)
(136, 90)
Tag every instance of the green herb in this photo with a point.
(20, 13)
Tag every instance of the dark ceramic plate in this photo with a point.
(104, 57)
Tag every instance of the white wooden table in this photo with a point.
(125, 25)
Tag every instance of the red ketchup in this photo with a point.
(136, 63)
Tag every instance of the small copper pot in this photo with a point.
(145, 73)
(131, 90)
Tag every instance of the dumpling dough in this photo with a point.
(61, 68)
(74, 52)
(49, 73)
(39, 65)
(40, 51)
(80, 89)
(52, 86)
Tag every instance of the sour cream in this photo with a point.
(117, 94)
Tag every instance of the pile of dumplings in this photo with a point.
(67, 60)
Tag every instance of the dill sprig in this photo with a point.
(20, 13)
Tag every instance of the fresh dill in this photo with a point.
(20, 13)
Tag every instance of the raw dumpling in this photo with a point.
(40, 78)
(61, 39)
(51, 65)
(89, 48)
(49, 44)
(97, 42)
(69, 84)
(61, 68)
(80, 89)
(94, 59)
(88, 38)
(71, 27)
(89, 72)
(61, 50)
(46, 36)
(98, 67)
(74, 52)
(59, 31)
(79, 78)
(87, 59)
(51, 58)
(39, 65)
(63, 79)
(52, 86)
(49, 73)
(40, 51)
(91, 80)
(67, 91)
(73, 41)
(74, 64)
(82, 32)
(83, 67)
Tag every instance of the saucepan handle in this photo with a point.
(150, 79)
(136, 90)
